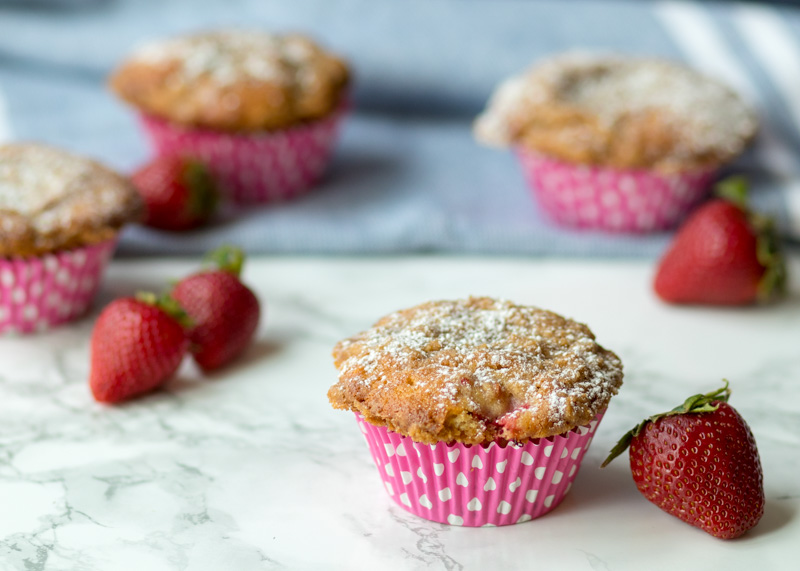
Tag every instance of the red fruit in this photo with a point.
(136, 345)
(722, 255)
(224, 311)
(179, 193)
(699, 462)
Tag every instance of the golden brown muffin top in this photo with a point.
(621, 112)
(233, 80)
(52, 200)
(475, 371)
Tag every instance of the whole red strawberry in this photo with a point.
(136, 344)
(723, 255)
(179, 193)
(224, 312)
(699, 462)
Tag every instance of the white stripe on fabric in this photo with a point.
(776, 50)
(692, 28)
(694, 31)
(5, 122)
(696, 34)
(778, 53)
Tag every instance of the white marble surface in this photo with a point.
(251, 469)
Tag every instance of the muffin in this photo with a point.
(260, 110)
(617, 143)
(59, 219)
(477, 412)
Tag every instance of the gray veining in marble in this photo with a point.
(250, 469)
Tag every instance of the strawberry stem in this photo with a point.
(227, 258)
(768, 245)
(734, 189)
(168, 305)
(695, 404)
(768, 252)
(204, 196)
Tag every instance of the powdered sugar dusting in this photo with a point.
(710, 117)
(232, 55)
(29, 185)
(514, 371)
(44, 191)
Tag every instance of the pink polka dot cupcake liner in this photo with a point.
(39, 293)
(478, 486)
(591, 197)
(254, 168)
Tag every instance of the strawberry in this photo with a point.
(137, 343)
(723, 254)
(179, 193)
(699, 462)
(224, 311)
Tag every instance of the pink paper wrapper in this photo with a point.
(610, 199)
(41, 292)
(253, 168)
(474, 485)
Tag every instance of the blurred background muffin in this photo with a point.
(60, 215)
(261, 110)
(615, 142)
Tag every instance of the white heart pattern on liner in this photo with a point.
(474, 505)
(480, 488)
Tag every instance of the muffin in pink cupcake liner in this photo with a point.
(593, 197)
(478, 486)
(258, 167)
(41, 292)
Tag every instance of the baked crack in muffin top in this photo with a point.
(233, 80)
(616, 111)
(475, 371)
(52, 200)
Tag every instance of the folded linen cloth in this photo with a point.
(407, 176)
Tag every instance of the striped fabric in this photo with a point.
(407, 176)
(761, 59)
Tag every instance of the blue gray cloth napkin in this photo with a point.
(407, 175)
